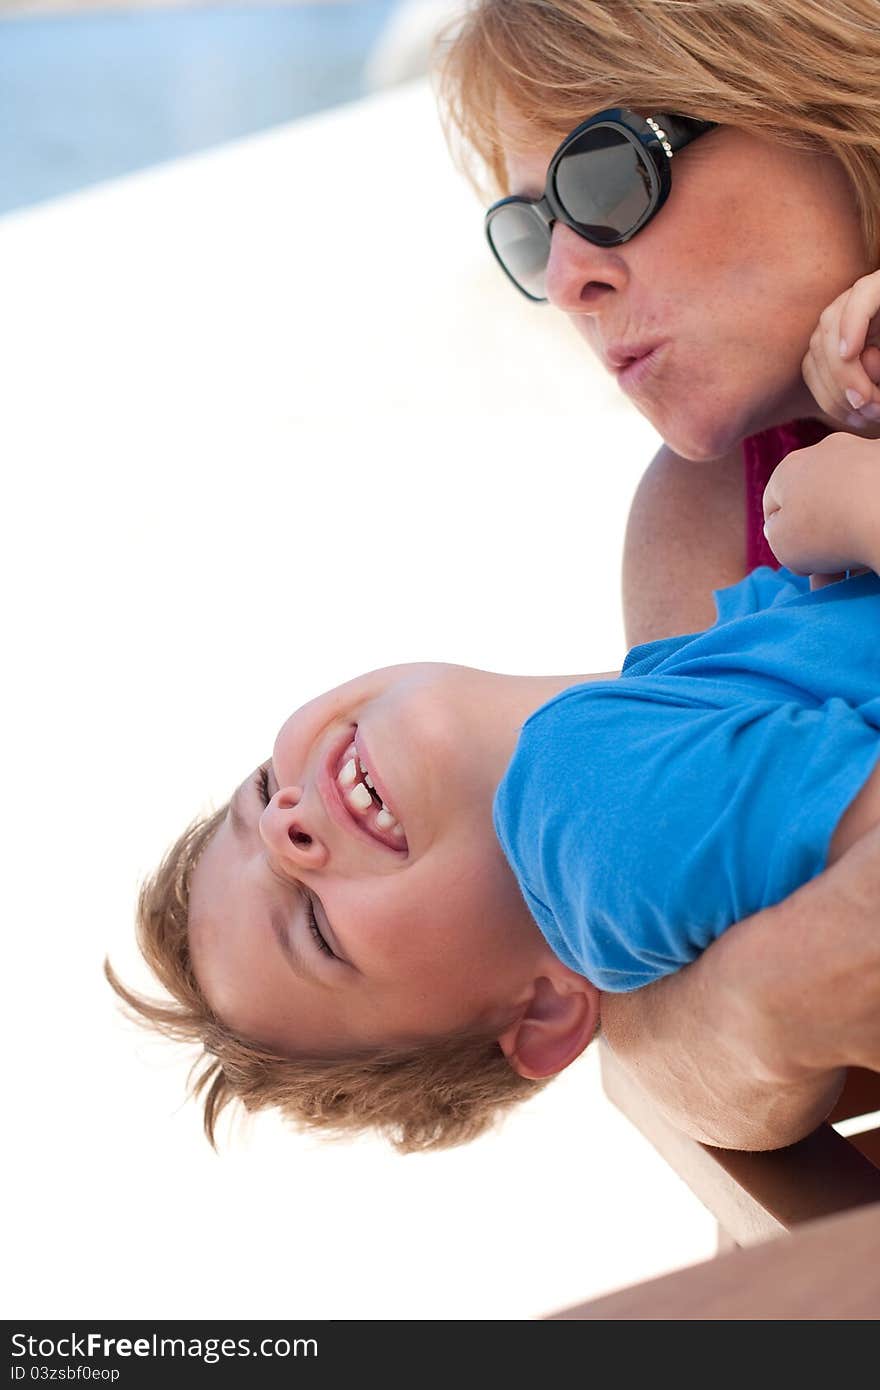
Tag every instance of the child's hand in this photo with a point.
(822, 506)
(842, 365)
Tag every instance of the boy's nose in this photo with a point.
(289, 830)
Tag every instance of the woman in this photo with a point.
(695, 261)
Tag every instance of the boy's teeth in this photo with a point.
(359, 797)
(365, 774)
(357, 786)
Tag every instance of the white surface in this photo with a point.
(265, 427)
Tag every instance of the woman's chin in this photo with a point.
(711, 427)
(701, 440)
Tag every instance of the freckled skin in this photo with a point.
(752, 244)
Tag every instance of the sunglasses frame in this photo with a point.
(655, 139)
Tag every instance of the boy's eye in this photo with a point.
(320, 942)
(261, 781)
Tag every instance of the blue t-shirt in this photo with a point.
(643, 816)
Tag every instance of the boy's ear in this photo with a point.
(557, 1023)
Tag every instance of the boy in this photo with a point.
(350, 941)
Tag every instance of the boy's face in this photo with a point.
(424, 927)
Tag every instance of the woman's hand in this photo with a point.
(822, 506)
(842, 364)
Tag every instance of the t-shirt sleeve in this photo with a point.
(760, 589)
(641, 821)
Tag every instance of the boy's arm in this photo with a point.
(842, 364)
(822, 506)
(745, 1047)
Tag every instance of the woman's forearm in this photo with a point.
(698, 1070)
(747, 1047)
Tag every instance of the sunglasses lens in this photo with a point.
(521, 241)
(604, 184)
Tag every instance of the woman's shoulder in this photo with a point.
(684, 538)
(695, 528)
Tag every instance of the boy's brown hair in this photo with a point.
(431, 1096)
(805, 73)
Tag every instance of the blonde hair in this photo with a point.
(805, 73)
(432, 1096)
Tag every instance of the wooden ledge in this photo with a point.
(754, 1196)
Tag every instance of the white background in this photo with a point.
(272, 418)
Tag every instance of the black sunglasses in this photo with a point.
(606, 180)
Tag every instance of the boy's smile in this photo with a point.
(350, 786)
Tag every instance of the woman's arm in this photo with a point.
(746, 1047)
(690, 1042)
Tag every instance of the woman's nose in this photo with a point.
(580, 277)
(289, 830)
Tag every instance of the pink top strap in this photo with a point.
(761, 453)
